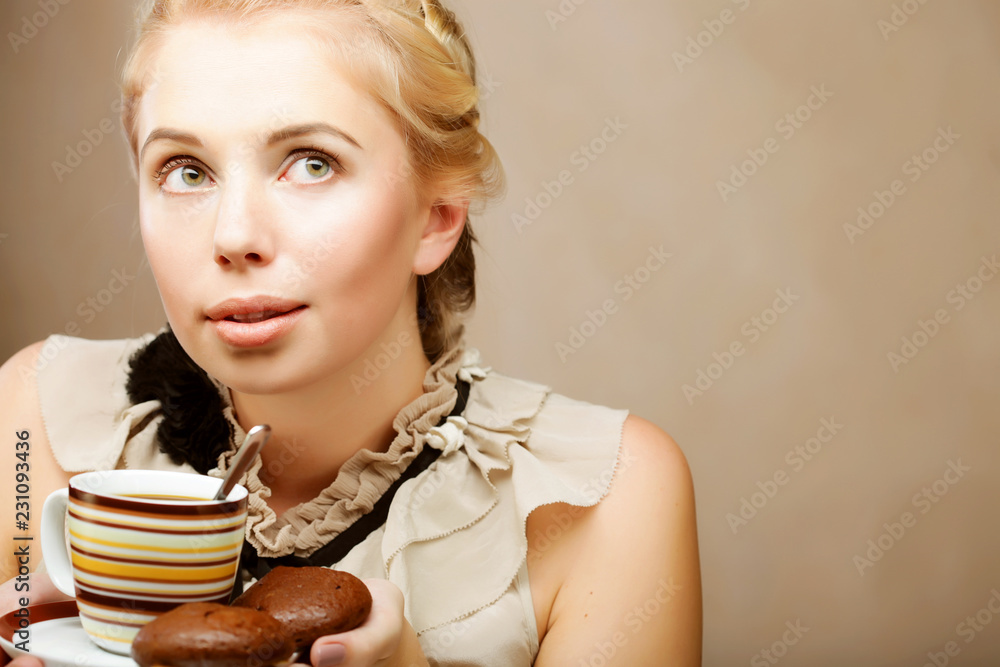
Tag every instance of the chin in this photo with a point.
(266, 370)
(263, 375)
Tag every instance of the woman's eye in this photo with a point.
(190, 176)
(183, 177)
(308, 169)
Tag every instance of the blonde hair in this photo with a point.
(418, 64)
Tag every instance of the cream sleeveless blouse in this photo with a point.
(454, 541)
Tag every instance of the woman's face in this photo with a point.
(276, 205)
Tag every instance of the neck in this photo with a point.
(317, 428)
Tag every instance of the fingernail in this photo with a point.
(330, 654)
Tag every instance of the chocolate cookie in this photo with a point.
(207, 634)
(310, 602)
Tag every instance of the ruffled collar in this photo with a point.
(363, 479)
(455, 537)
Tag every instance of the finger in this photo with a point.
(39, 589)
(373, 640)
(24, 661)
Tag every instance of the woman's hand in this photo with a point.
(23, 661)
(40, 589)
(385, 639)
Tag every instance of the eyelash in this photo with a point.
(299, 153)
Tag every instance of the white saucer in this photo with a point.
(58, 639)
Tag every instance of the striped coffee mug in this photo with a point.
(141, 542)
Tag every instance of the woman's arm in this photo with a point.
(21, 422)
(625, 574)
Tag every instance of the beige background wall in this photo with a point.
(681, 128)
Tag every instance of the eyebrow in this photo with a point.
(277, 136)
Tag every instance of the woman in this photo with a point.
(305, 175)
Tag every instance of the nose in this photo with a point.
(242, 238)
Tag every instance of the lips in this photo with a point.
(253, 318)
(254, 321)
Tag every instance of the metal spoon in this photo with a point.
(255, 440)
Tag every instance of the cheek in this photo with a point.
(359, 242)
(165, 252)
(152, 243)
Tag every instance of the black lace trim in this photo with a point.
(193, 429)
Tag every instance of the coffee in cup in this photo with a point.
(140, 542)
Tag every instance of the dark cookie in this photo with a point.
(310, 602)
(206, 634)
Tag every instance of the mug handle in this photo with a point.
(54, 550)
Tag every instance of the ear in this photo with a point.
(441, 233)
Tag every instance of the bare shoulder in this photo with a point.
(26, 461)
(649, 512)
(649, 452)
(628, 572)
(19, 369)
